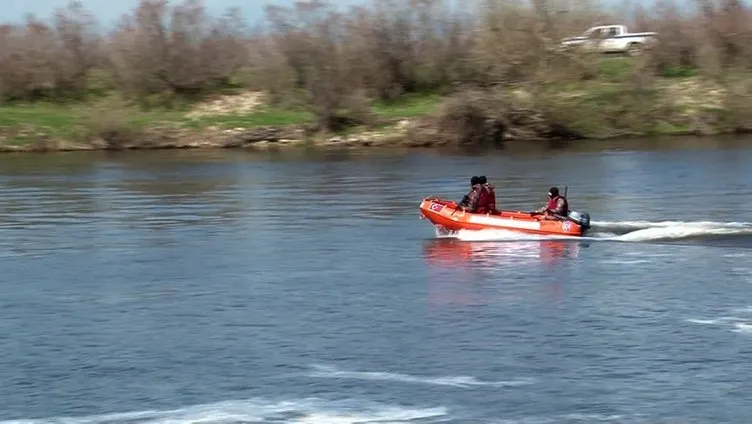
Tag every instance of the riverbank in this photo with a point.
(584, 110)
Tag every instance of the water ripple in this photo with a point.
(172, 284)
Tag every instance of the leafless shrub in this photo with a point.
(38, 60)
(337, 62)
(737, 114)
(110, 121)
(78, 49)
(464, 117)
(190, 55)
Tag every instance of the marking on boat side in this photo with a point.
(501, 222)
(566, 225)
(436, 207)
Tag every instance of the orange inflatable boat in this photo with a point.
(447, 217)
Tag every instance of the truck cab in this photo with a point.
(606, 31)
(611, 39)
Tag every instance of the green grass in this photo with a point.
(264, 117)
(408, 106)
(36, 115)
(20, 122)
(615, 68)
(587, 104)
(412, 105)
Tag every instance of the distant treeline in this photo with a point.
(332, 61)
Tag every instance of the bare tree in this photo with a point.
(336, 61)
(77, 52)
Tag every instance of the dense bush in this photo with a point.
(334, 62)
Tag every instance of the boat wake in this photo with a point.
(737, 324)
(671, 230)
(324, 371)
(303, 411)
(735, 233)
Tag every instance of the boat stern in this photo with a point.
(582, 219)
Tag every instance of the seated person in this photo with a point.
(557, 206)
(487, 197)
(470, 201)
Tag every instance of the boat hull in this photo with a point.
(447, 216)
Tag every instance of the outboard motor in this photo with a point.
(581, 218)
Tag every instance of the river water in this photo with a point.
(236, 287)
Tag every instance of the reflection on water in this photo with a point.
(456, 268)
(53, 165)
(453, 253)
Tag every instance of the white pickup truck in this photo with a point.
(612, 39)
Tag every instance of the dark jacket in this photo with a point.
(487, 199)
(470, 201)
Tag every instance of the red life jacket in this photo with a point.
(484, 201)
(491, 199)
(551, 206)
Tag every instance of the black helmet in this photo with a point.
(553, 191)
(474, 180)
(482, 179)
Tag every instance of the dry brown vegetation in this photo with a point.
(496, 62)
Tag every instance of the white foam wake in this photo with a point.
(569, 419)
(668, 230)
(626, 231)
(735, 324)
(306, 411)
(324, 371)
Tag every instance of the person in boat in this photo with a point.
(470, 200)
(487, 196)
(557, 206)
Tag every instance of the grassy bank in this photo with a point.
(611, 105)
(49, 126)
(490, 72)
